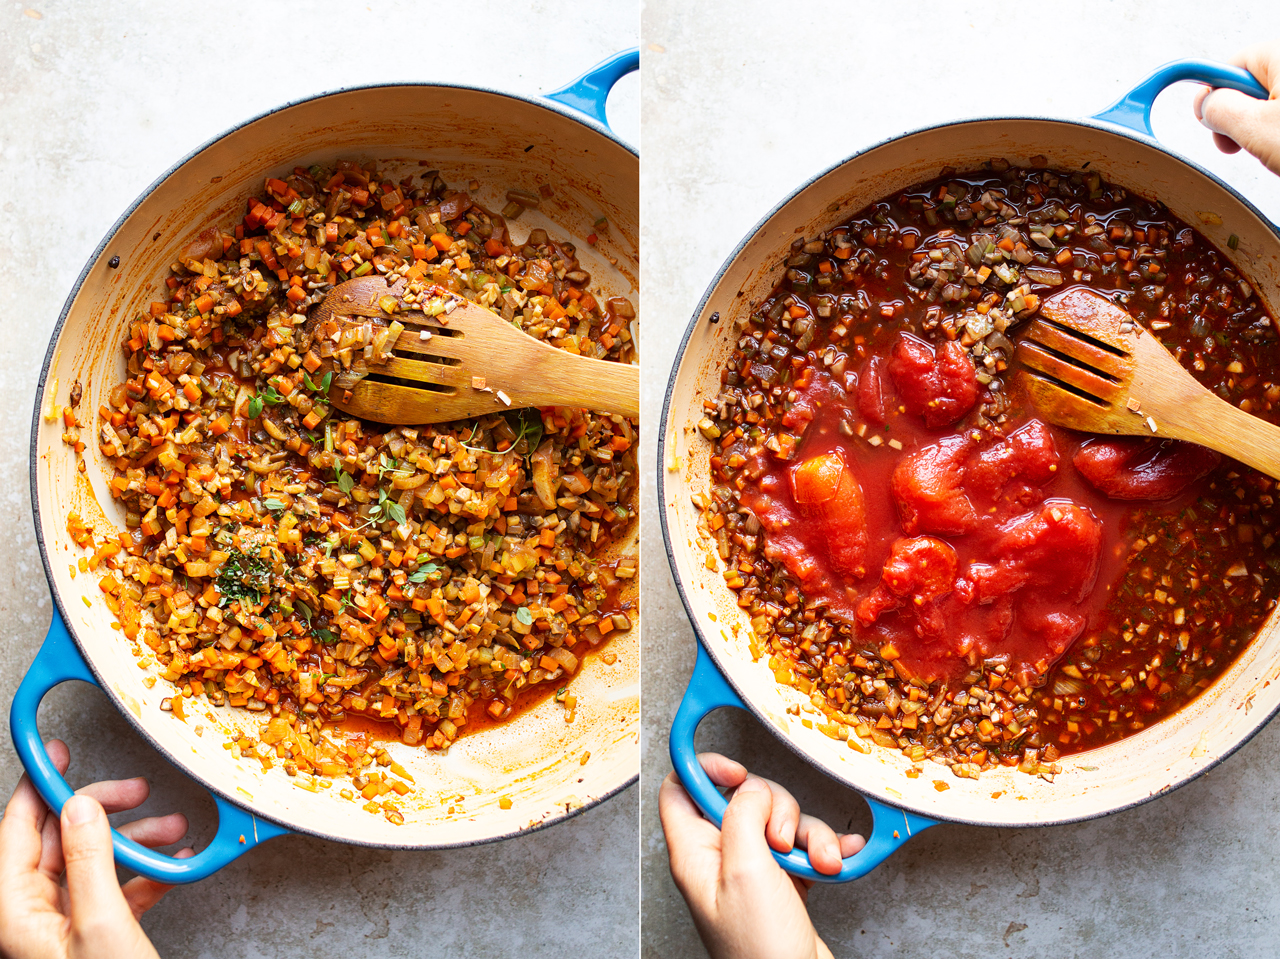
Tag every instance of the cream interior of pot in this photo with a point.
(537, 761)
(1159, 757)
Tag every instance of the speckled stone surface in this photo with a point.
(739, 110)
(96, 101)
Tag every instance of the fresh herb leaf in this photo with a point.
(524, 616)
(273, 504)
(530, 427)
(346, 482)
(255, 407)
(303, 609)
(271, 397)
(243, 577)
(327, 636)
(387, 464)
(395, 511)
(422, 572)
(322, 386)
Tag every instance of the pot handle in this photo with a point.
(58, 661)
(1133, 110)
(708, 690)
(588, 93)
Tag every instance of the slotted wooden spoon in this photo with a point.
(1087, 365)
(463, 361)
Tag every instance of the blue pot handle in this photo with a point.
(708, 690)
(58, 661)
(1133, 110)
(588, 93)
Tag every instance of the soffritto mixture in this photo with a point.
(285, 558)
(942, 572)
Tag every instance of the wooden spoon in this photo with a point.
(1088, 365)
(450, 359)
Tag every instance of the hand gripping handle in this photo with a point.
(589, 92)
(1133, 110)
(708, 690)
(58, 661)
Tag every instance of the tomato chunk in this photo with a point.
(1136, 468)
(1027, 456)
(927, 488)
(825, 488)
(938, 386)
(917, 572)
(1054, 549)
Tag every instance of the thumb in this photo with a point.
(743, 848)
(96, 900)
(1252, 123)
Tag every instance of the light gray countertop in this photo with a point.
(96, 101)
(737, 111)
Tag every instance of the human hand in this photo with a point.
(743, 904)
(91, 916)
(1241, 121)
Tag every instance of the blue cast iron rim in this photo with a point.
(663, 425)
(34, 453)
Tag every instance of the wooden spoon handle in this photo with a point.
(557, 378)
(1211, 421)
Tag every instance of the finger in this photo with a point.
(1197, 102)
(722, 770)
(23, 823)
(1263, 61)
(51, 863)
(97, 904)
(682, 821)
(1225, 144)
(784, 817)
(693, 843)
(851, 844)
(156, 830)
(114, 795)
(142, 893)
(118, 795)
(1249, 122)
(743, 849)
(820, 841)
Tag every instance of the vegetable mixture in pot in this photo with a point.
(338, 576)
(942, 572)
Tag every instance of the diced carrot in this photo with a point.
(442, 242)
(463, 228)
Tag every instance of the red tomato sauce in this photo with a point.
(942, 572)
(1018, 529)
